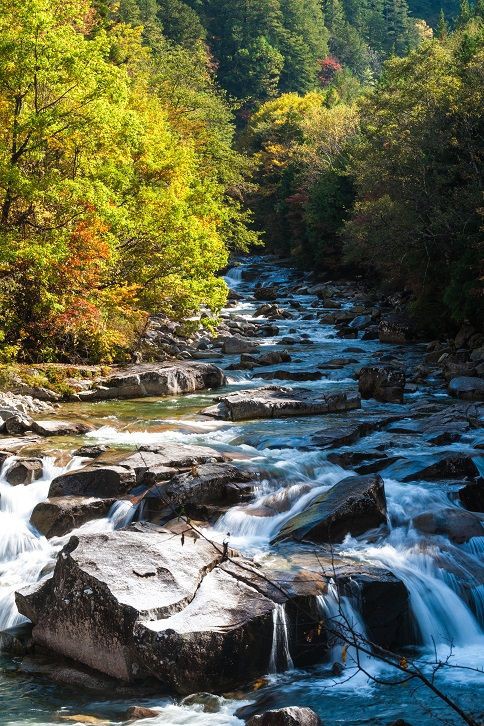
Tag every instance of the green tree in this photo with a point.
(416, 165)
(119, 187)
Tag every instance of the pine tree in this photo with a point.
(465, 12)
(442, 29)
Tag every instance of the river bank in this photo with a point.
(289, 445)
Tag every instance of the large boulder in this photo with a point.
(94, 481)
(198, 491)
(472, 496)
(279, 402)
(266, 293)
(384, 383)
(468, 388)
(59, 515)
(456, 524)
(354, 505)
(455, 466)
(24, 471)
(160, 379)
(18, 424)
(395, 328)
(138, 601)
(289, 716)
(236, 345)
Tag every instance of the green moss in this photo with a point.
(57, 378)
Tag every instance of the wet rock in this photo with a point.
(360, 322)
(94, 481)
(450, 467)
(4, 455)
(350, 459)
(467, 388)
(472, 496)
(384, 383)
(292, 375)
(24, 471)
(209, 702)
(160, 379)
(181, 456)
(395, 329)
(134, 713)
(269, 359)
(371, 333)
(236, 344)
(59, 515)
(456, 524)
(354, 505)
(91, 451)
(382, 598)
(337, 436)
(67, 672)
(289, 716)
(337, 363)
(18, 424)
(279, 402)
(266, 293)
(376, 466)
(213, 484)
(347, 333)
(60, 428)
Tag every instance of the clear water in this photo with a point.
(444, 580)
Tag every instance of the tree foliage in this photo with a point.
(119, 187)
(417, 167)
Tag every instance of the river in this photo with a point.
(444, 579)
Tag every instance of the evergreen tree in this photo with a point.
(442, 30)
(465, 12)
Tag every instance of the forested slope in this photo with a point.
(142, 141)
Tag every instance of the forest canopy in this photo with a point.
(120, 188)
(142, 141)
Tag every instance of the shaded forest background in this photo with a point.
(144, 141)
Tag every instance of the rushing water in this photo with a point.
(444, 580)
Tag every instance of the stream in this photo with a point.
(444, 579)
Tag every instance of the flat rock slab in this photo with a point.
(354, 505)
(59, 515)
(61, 428)
(138, 601)
(279, 402)
(103, 583)
(160, 379)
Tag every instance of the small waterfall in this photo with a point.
(442, 615)
(342, 616)
(122, 513)
(233, 278)
(26, 555)
(280, 659)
